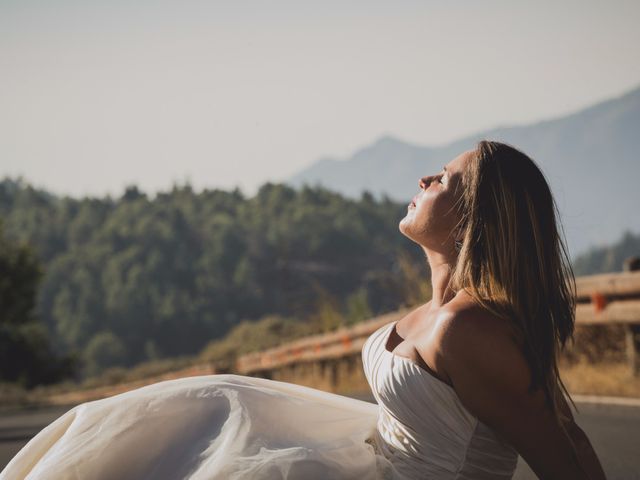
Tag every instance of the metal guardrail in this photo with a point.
(343, 342)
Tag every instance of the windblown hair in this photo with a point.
(513, 261)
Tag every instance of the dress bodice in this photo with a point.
(423, 428)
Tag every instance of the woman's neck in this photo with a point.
(441, 266)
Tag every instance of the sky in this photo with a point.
(99, 95)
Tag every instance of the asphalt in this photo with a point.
(17, 427)
(614, 431)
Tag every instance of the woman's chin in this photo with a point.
(410, 212)
(403, 226)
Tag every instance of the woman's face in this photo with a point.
(431, 216)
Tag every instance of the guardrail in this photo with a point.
(340, 343)
(600, 299)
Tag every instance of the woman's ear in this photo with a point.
(457, 236)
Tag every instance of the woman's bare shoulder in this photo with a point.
(473, 339)
(464, 316)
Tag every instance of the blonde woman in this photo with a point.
(463, 383)
(477, 365)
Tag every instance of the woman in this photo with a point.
(484, 349)
(464, 383)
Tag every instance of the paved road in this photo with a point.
(18, 427)
(614, 432)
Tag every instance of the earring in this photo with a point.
(458, 245)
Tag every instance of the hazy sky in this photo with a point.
(98, 95)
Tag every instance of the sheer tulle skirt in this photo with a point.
(208, 427)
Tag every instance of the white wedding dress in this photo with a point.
(236, 427)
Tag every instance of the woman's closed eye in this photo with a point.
(426, 184)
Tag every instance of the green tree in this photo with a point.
(26, 356)
(358, 307)
(104, 350)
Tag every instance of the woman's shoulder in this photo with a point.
(474, 339)
(464, 317)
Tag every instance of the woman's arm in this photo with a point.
(491, 377)
(584, 450)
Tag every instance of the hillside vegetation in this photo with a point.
(135, 279)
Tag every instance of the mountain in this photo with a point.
(591, 159)
(608, 259)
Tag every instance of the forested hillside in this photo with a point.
(138, 278)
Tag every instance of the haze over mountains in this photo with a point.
(591, 159)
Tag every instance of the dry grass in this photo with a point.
(595, 363)
(610, 379)
(597, 344)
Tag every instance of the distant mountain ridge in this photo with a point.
(591, 159)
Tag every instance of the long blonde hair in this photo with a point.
(513, 261)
